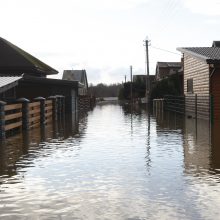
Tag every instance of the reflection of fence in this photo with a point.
(192, 105)
(28, 115)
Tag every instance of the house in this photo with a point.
(23, 75)
(166, 69)
(80, 76)
(85, 101)
(202, 80)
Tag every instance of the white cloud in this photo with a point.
(211, 7)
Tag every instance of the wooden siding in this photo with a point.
(215, 91)
(198, 71)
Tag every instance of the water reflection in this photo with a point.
(19, 150)
(120, 162)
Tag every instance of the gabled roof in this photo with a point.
(208, 54)
(169, 64)
(76, 75)
(8, 82)
(15, 60)
(216, 44)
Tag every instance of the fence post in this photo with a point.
(54, 100)
(2, 120)
(42, 109)
(25, 113)
(196, 106)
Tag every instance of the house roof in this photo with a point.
(8, 82)
(77, 75)
(169, 64)
(210, 55)
(15, 60)
(216, 44)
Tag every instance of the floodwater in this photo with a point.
(118, 166)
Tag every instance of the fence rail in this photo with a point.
(27, 115)
(191, 105)
(12, 116)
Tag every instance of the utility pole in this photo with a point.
(147, 65)
(131, 85)
(125, 78)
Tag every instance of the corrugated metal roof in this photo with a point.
(208, 54)
(7, 82)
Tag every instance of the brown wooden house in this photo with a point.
(202, 80)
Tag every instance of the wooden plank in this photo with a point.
(13, 107)
(34, 111)
(47, 102)
(13, 125)
(48, 120)
(13, 116)
(36, 118)
(48, 114)
(35, 125)
(48, 108)
(34, 104)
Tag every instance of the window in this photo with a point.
(190, 85)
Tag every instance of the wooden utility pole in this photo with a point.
(131, 85)
(147, 65)
(125, 78)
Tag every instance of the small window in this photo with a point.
(190, 85)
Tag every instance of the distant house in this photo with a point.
(80, 76)
(16, 62)
(166, 69)
(202, 78)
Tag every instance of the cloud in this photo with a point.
(211, 7)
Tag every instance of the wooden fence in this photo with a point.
(192, 105)
(13, 116)
(25, 115)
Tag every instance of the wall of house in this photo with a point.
(196, 102)
(199, 71)
(215, 91)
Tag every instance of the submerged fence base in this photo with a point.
(24, 115)
(191, 105)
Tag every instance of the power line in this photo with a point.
(168, 51)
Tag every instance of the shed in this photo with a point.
(202, 80)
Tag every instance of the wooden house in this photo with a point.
(80, 76)
(202, 80)
(166, 69)
(23, 75)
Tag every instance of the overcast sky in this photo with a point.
(105, 37)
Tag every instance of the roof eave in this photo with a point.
(199, 56)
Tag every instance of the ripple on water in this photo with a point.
(119, 166)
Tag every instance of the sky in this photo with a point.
(106, 37)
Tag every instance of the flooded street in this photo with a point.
(120, 166)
